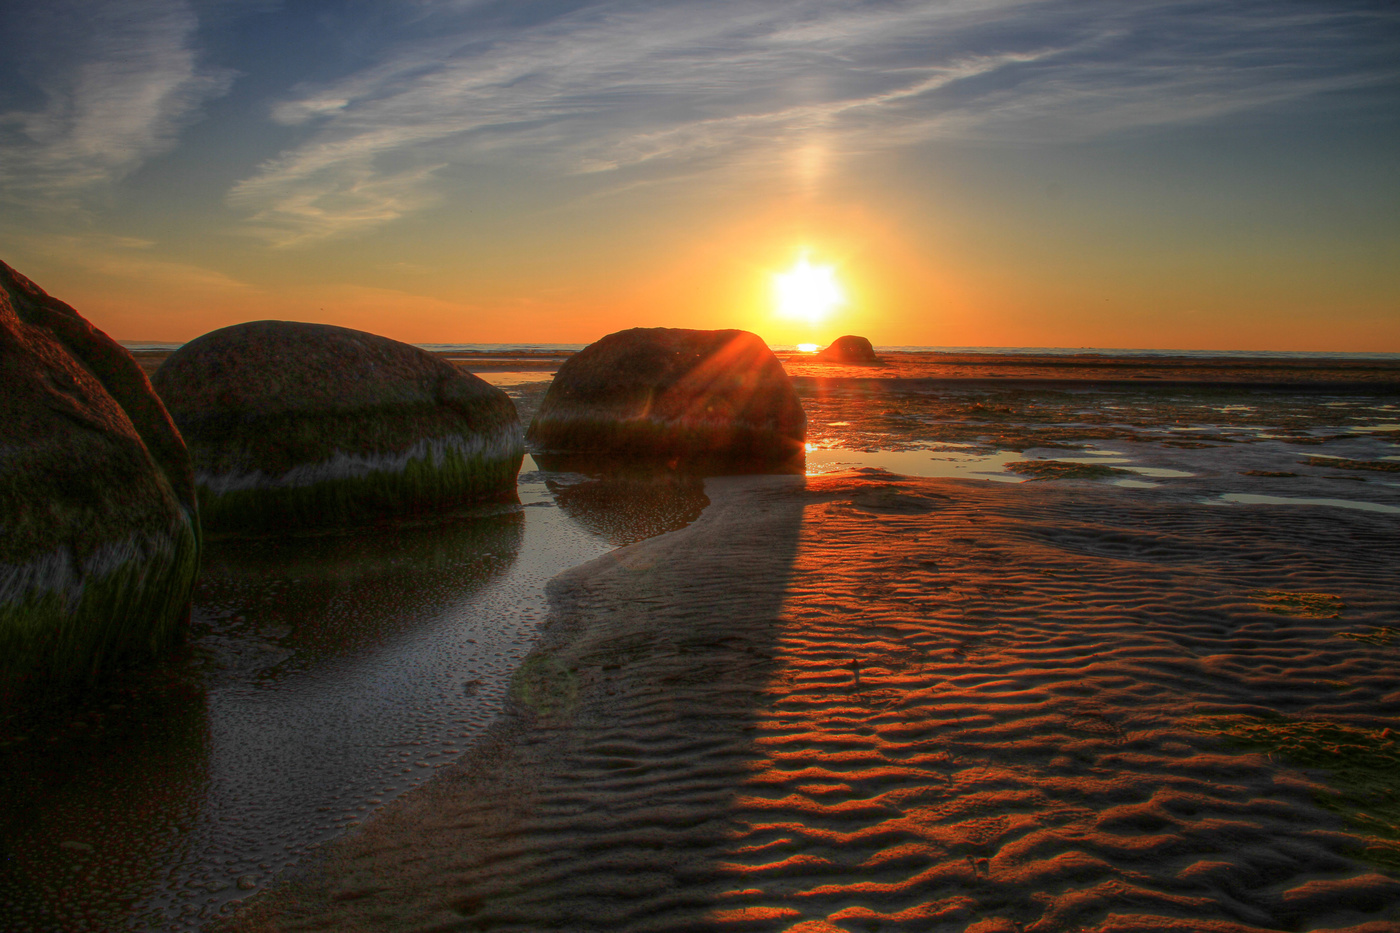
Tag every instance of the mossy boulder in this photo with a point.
(658, 392)
(850, 349)
(99, 538)
(296, 425)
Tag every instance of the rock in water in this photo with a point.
(99, 539)
(295, 425)
(849, 349)
(677, 394)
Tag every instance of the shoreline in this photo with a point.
(1014, 369)
(864, 698)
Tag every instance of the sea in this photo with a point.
(514, 349)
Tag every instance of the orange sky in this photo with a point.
(1042, 174)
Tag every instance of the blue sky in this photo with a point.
(474, 169)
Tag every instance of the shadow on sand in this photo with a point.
(600, 800)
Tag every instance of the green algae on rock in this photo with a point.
(99, 536)
(295, 425)
(669, 393)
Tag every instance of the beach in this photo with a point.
(1050, 651)
(625, 466)
(860, 700)
(866, 702)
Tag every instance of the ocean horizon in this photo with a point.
(1139, 352)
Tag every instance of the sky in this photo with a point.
(1059, 173)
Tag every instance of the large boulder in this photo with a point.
(99, 539)
(658, 392)
(295, 425)
(850, 349)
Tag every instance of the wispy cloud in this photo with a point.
(118, 80)
(674, 89)
(129, 259)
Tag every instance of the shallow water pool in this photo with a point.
(325, 676)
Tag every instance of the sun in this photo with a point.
(808, 291)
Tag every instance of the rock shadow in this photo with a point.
(603, 798)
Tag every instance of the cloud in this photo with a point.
(654, 90)
(118, 80)
(129, 259)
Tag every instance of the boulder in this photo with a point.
(658, 392)
(849, 349)
(99, 538)
(297, 425)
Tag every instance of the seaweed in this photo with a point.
(1361, 764)
(424, 485)
(712, 441)
(54, 643)
(1309, 605)
(1380, 636)
(1061, 469)
(1342, 463)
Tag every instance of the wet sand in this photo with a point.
(864, 702)
(1321, 374)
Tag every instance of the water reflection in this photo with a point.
(626, 509)
(97, 807)
(295, 603)
(624, 499)
(324, 676)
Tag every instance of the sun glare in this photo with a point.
(808, 292)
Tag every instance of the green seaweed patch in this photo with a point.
(1310, 605)
(1381, 636)
(1341, 463)
(1361, 765)
(707, 439)
(132, 615)
(424, 485)
(545, 687)
(1061, 469)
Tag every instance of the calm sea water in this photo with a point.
(507, 349)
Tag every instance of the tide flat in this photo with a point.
(808, 709)
(865, 702)
(1117, 699)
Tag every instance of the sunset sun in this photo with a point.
(806, 291)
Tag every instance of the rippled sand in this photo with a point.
(861, 702)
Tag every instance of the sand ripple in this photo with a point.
(869, 704)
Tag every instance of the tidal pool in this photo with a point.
(1190, 442)
(325, 676)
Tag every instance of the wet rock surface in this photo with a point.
(687, 395)
(100, 542)
(294, 424)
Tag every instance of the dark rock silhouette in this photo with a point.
(294, 425)
(849, 349)
(713, 396)
(100, 542)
